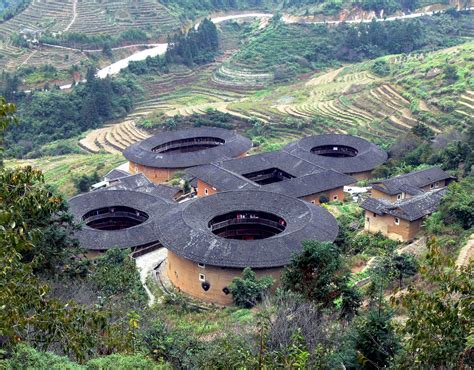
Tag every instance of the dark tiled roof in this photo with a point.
(368, 155)
(309, 179)
(142, 153)
(140, 182)
(310, 184)
(184, 230)
(413, 180)
(139, 235)
(220, 178)
(289, 163)
(115, 174)
(408, 209)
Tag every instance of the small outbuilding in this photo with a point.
(160, 156)
(210, 240)
(411, 184)
(347, 154)
(400, 220)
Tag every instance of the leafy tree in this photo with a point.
(29, 215)
(457, 207)
(84, 182)
(381, 67)
(438, 331)
(176, 346)
(451, 73)
(247, 290)
(395, 266)
(317, 273)
(107, 50)
(374, 339)
(116, 273)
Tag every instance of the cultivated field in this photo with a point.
(60, 170)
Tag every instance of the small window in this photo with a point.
(205, 285)
(375, 214)
(202, 277)
(436, 184)
(213, 188)
(399, 196)
(397, 221)
(368, 219)
(201, 265)
(432, 186)
(226, 290)
(206, 191)
(313, 202)
(334, 197)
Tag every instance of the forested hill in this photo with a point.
(9, 8)
(310, 7)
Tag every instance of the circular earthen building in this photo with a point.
(347, 154)
(117, 219)
(211, 240)
(160, 156)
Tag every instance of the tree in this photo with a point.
(318, 273)
(107, 50)
(403, 265)
(457, 207)
(438, 331)
(247, 290)
(395, 266)
(374, 339)
(30, 214)
(84, 182)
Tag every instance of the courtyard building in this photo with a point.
(210, 240)
(161, 156)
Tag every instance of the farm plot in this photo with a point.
(112, 138)
(59, 171)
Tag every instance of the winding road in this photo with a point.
(160, 49)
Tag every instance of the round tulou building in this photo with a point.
(211, 240)
(117, 219)
(347, 154)
(160, 156)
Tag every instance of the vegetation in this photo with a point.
(9, 8)
(198, 46)
(443, 311)
(247, 290)
(53, 115)
(303, 47)
(318, 274)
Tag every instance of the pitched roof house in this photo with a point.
(411, 184)
(400, 220)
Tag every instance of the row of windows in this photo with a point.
(335, 197)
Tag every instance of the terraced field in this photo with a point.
(60, 170)
(114, 16)
(466, 104)
(81, 16)
(112, 138)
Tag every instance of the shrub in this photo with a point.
(247, 290)
(24, 357)
(381, 67)
(119, 361)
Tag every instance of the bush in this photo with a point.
(381, 67)
(115, 273)
(247, 290)
(119, 361)
(25, 357)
